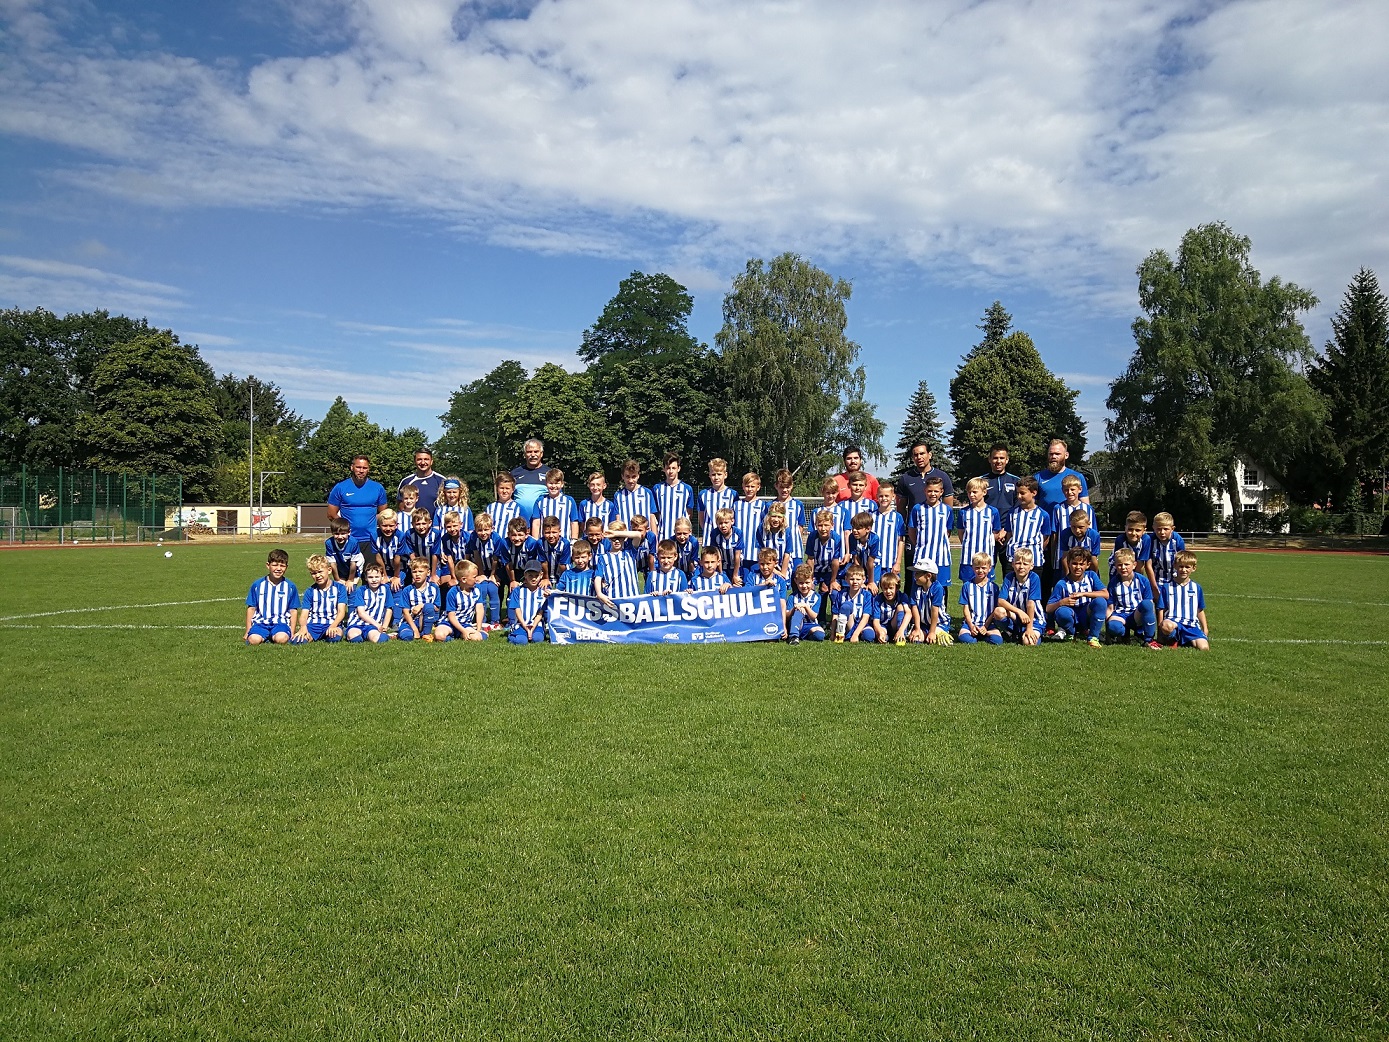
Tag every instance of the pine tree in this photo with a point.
(922, 424)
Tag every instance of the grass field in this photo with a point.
(202, 840)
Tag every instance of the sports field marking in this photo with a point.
(115, 607)
(1299, 640)
(111, 626)
(1303, 600)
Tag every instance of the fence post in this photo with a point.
(23, 498)
(60, 506)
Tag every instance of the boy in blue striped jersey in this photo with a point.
(767, 573)
(557, 505)
(578, 577)
(521, 552)
(272, 603)
(1131, 603)
(853, 608)
(554, 551)
(388, 547)
(1137, 539)
(666, 577)
(453, 547)
(716, 497)
(323, 606)
(372, 606)
(1079, 600)
(803, 610)
(892, 617)
(747, 522)
(421, 542)
(796, 524)
(930, 612)
(857, 503)
(419, 605)
(1020, 612)
(978, 600)
(342, 553)
(824, 552)
(1166, 545)
(1071, 491)
(891, 529)
(633, 497)
(526, 607)
(614, 569)
(674, 498)
(710, 577)
(981, 529)
(462, 606)
(1078, 532)
(930, 527)
(1182, 607)
(596, 505)
(1028, 525)
(641, 546)
(829, 500)
(861, 548)
(504, 509)
(686, 547)
(487, 550)
(729, 544)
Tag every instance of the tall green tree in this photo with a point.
(996, 325)
(1353, 376)
(795, 390)
(327, 454)
(654, 384)
(1004, 392)
(152, 410)
(922, 423)
(555, 406)
(1214, 375)
(474, 445)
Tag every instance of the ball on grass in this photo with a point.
(168, 553)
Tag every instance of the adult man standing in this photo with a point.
(357, 498)
(853, 460)
(534, 469)
(1049, 480)
(911, 483)
(425, 480)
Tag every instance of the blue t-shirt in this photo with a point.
(359, 504)
(853, 604)
(1049, 491)
(273, 601)
(322, 603)
(672, 581)
(376, 602)
(580, 583)
(523, 605)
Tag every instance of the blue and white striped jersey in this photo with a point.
(1028, 528)
(747, 520)
(889, 526)
(603, 509)
(836, 517)
(1061, 523)
(806, 602)
(452, 550)
(887, 609)
(464, 512)
(629, 504)
(977, 530)
(1142, 552)
(523, 605)
(1183, 603)
(980, 599)
(672, 581)
(343, 556)
(464, 604)
(502, 515)
(687, 555)
(389, 548)
(861, 552)
(322, 602)
(1067, 539)
(849, 508)
(1019, 593)
(555, 555)
(728, 547)
(562, 507)
(422, 544)
(1125, 598)
(487, 553)
(823, 553)
(1165, 557)
(701, 583)
(925, 600)
(517, 556)
(642, 551)
(672, 503)
(618, 572)
(796, 525)
(375, 602)
(711, 501)
(1066, 587)
(576, 582)
(773, 580)
(853, 605)
(932, 526)
(778, 541)
(412, 597)
(273, 601)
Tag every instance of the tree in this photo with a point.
(653, 383)
(232, 396)
(473, 445)
(152, 410)
(342, 434)
(554, 406)
(1353, 377)
(996, 325)
(794, 388)
(1212, 376)
(1003, 392)
(922, 424)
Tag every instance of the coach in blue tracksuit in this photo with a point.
(357, 498)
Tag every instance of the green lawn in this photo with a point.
(202, 840)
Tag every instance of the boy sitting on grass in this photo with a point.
(892, 618)
(1078, 599)
(463, 606)
(853, 606)
(978, 599)
(1131, 604)
(418, 603)
(323, 606)
(271, 603)
(803, 613)
(371, 608)
(1182, 607)
(930, 616)
(1019, 612)
(526, 606)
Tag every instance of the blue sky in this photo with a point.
(384, 198)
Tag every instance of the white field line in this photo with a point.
(110, 626)
(115, 607)
(1300, 640)
(1303, 600)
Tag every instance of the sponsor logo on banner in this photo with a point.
(677, 618)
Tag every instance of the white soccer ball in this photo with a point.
(168, 553)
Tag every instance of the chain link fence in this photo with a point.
(68, 505)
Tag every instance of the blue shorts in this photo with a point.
(1185, 634)
(267, 631)
(517, 635)
(318, 629)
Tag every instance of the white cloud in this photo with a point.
(978, 140)
(30, 282)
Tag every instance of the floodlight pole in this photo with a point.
(251, 465)
(263, 475)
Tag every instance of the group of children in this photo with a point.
(437, 573)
